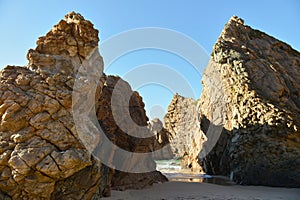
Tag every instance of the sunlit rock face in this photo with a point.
(182, 121)
(251, 88)
(40, 149)
(42, 155)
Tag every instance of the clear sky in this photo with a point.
(22, 22)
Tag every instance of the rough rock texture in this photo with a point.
(39, 145)
(122, 180)
(251, 87)
(183, 123)
(41, 154)
(115, 132)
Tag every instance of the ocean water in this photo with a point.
(174, 172)
(168, 165)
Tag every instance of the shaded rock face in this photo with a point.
(122, 180)
(115, 132)
(258, 77)
(162, 140)
(41, 154)
(183, 123)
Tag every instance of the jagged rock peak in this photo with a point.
(73, 17)
(230, 28)
(236, 19)
(72, 36)
(67, 44)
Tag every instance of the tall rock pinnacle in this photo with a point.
(65, 46)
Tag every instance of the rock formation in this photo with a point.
(115, 132)
(251, 88)
(183, 123)
(162, 140)
(42, 156)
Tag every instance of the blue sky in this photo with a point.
(22, 22)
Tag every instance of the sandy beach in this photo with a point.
(190, 190)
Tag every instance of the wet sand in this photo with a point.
(186, 185)
(175, 190)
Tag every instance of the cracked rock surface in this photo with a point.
(251, 87)
(39, 145)
(41, 155)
